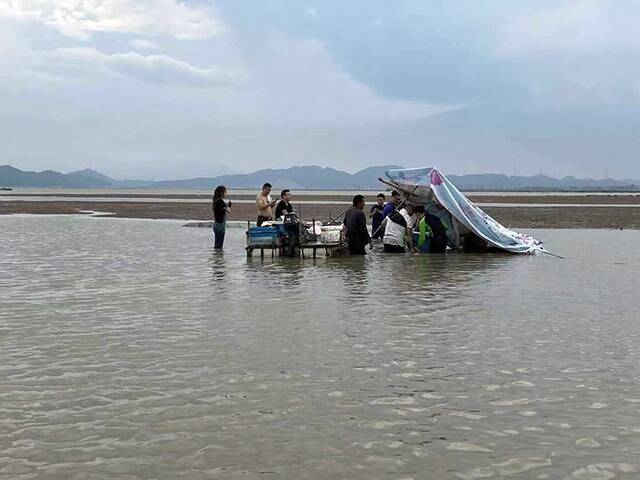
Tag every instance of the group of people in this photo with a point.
(264, 206)
(401, 226)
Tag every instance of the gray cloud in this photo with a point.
(467, 52)
(83, 62)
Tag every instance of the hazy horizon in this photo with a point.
(175, 89)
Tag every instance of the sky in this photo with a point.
(163, 89)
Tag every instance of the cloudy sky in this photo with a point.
(172, 89)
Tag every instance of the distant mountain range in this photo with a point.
(13, 177)
(307, 177)
(496, 182)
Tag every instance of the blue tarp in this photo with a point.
(429, 184)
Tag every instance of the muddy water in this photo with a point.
(130, 350)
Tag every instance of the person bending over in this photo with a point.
(442, 227)
(398, 230)
(422, 233)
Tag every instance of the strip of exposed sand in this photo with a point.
(578, 216)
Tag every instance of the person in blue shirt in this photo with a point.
(392, 204)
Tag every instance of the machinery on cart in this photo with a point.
(290, 237)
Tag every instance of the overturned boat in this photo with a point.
(429, 187)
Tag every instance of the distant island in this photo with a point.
(308, 178)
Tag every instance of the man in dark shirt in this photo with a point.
(284, 206)
(355, 222)
(376, 216)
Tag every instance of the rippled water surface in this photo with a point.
(130, 350)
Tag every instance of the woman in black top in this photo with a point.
(220, 211)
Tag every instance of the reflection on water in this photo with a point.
(132, 350)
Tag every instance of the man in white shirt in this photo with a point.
(398, 231)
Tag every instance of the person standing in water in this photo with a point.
(220, 210)
(392, 205)
(264, 204)
(355, 222)
(422, 233)
(376, 216)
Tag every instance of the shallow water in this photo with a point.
(130, 350)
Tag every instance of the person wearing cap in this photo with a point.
(398, 232)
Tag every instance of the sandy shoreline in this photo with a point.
(526, 217)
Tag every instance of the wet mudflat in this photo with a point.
(605, 216)
(131, 350)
